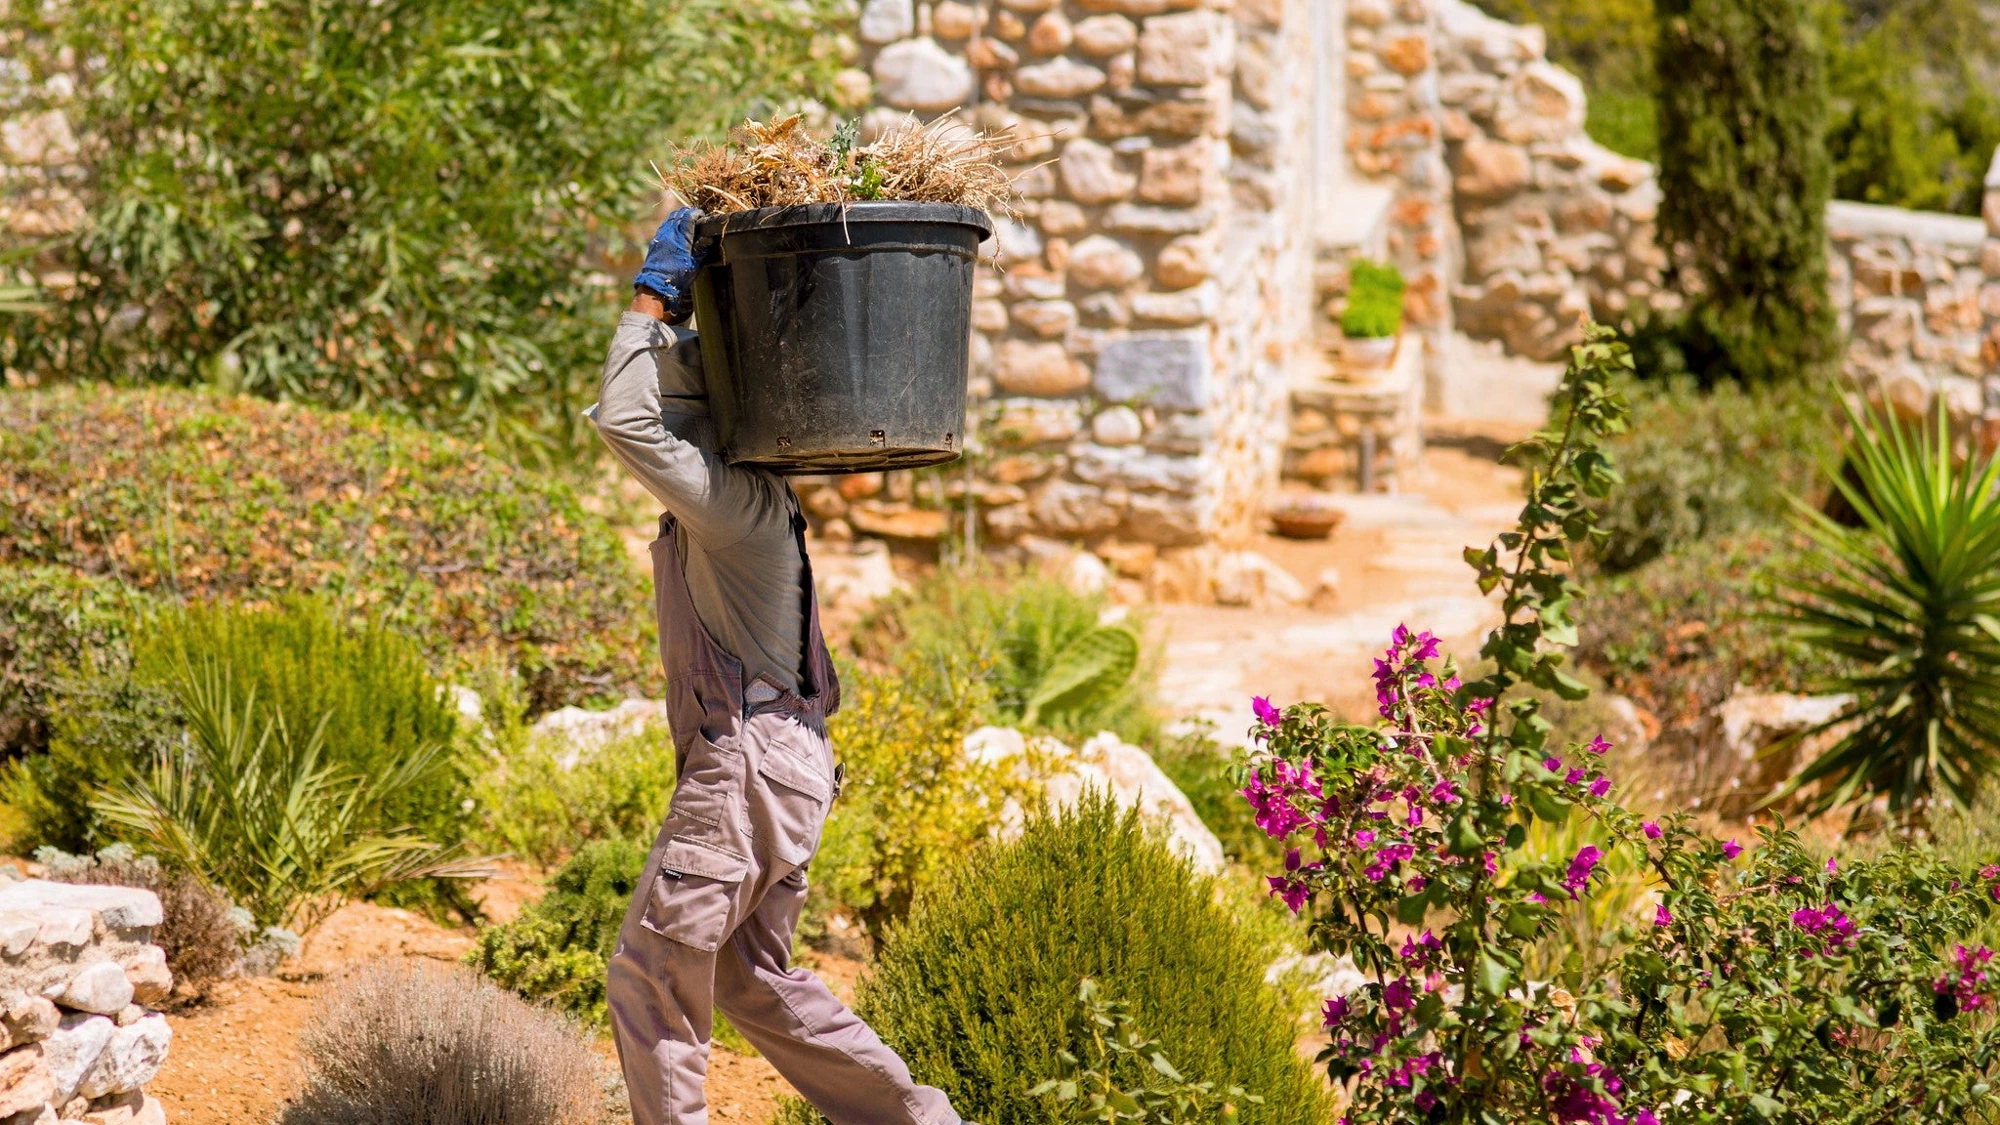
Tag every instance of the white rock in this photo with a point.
(1085, 574)
(147, 969)
(1246, 578)
(918, 74)
(26, 1019)
(885, 21)
(130, 1059)
(1106, 35)
(587, 732)
(1329, 975)
(1099, 262)
(1090, 173)
(17, 933)
(467, 703)
(856, 578)
(101, 988)
(74, 1049)
(1060, 77)
(1117, 426)
(120, 908)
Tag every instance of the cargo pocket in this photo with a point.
(794, 798)
(710, 786)
(693, 894)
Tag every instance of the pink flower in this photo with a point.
(1335, 1012)
(1833, 928)
(1651, 830)
(1731, 849)
(1364, 838)
(1443, 793)
(1967, 985)
(1400, 995)
(1598, 745)
(1663, 916)
(1600, 787)
(1575, 775)
(1553, 765)
(1267, 714)
(1578, 876)
(1832, 868)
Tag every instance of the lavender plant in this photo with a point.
(1758, 986)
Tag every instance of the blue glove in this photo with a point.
(670, 259)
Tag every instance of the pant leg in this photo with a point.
(824, 1050)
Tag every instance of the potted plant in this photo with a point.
(1372, 324)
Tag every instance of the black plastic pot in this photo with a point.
(835, 336)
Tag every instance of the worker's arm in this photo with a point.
(654, 370)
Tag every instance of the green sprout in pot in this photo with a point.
(1374, 302)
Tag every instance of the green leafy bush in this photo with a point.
(52, 622)
(1909, 604)
(1744, 182)
(1044, 660)
(557, 950)
(406, 211)
(977, 988)
(1090, 1082)
(1709, 462)
(197, 497)
(541, 799)
(367, 692)
(1374, 301)
(251, 802)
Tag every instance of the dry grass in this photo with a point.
(782, 165)
(429, 1044)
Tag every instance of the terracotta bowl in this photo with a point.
(1307, 523)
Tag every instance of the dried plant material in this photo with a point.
(780, 165)
(427, 1044)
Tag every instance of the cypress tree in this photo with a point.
(1745, 179)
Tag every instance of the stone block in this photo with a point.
(1181, 308)
(1136, 218)
(1491, 170)
(1091, 173)
(117, 908)
(1050, 34)
(73, 1050)
(1104, 36)
(101, 988)
(1183, 262)
(146, 969)
(1164, 369)
(1029, 7)
(1058, 78)
(26, 1019)
(918, 74)
(1135, 7)
(134, 1108)
(25, 1081)
(885, 21)
(953, 20)
(1163, 520)
(1175, 175)
(898, 521)
(1117, 426)
(18, 932)
(1186, 49)
(992, 54)
(1136, 469)
(1007, 25)
(1062, 218)
(1066, 508)
(989, 316)
(1102, 262)
(1047, 319)
(130, 1059)
(1253, 135)
(1041, 369)
(1034, 283)
(1407, 54)
(1025, 422)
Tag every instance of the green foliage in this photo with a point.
(1044, 660)
(978, 988)
(914, 802)
(1707, 463)
(52, 622)
(1909, 601)
(252, 804)
(1744, 181)
(1609, 44)
(1089, 1083)
(1204, 772)
(557, 950)
(198, 497)
(367, 691)
(1374, 301)
(1785, 989)
(407, 209)
(541, 799)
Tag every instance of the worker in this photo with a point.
(749, 689)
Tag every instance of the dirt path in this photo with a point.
(1399, 560)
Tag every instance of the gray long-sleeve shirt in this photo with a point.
(742, 561)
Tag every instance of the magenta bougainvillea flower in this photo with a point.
(1731, 849)
(1651, 830)
(1267, 714)
(1578, 876)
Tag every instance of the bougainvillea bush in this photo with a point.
(1756, 981)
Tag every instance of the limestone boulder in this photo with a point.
(917, 74)
(1061, 77)
(1184, 49)
(1043, 369)
(132, 1055)
(25, 1081)
(1102, 262)
(1104, 36)
(1091, 173)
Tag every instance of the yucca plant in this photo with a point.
(249, 802)
(1909, 602)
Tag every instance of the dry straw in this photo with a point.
(782, 165)
(429, 1044)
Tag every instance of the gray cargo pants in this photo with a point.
(711, 925)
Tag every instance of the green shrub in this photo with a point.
(1703, 463)
(198, 497)
(1744, 181)
(913, 802)
(538, 802)
(409, 211)
(1092, 1082)
(53, 621)
(251, 802)
(557, 950)
(367, 692)
(977, 988)
(1044, 661)
(1374, 302)
(1909, 604)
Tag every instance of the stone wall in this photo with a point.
(1149, 294)
(78, 971)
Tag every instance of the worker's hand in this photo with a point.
(668, 273)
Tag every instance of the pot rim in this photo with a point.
(862, 211)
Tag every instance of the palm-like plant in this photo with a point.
(250, 804)
(1909, 600)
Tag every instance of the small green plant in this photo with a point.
(1909, 603)
(1374, 301)
(1090, 1088)
(52, 622)
(541, 799)
(426, 1044)
(556, 951)
(978, 987)
(250, 803)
